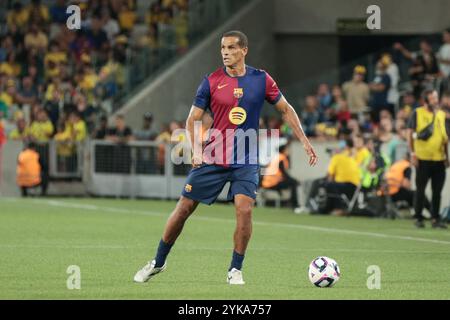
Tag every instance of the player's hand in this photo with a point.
(311, 153)
(447, 163)
(196, 161)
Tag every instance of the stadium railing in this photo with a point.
(135, 169)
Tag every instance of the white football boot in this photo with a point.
(148, 271)
(235, 277)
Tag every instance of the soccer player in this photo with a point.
(234, 95)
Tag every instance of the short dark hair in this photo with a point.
(349, 143)
(242, 38)
(426, 93)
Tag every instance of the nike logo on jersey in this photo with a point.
(220, 86)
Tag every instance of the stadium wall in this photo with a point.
(397, 17)
(170, 95)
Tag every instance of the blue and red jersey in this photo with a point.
(235, 103)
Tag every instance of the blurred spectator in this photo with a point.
(325, 100)
(97, 38)
(408, 104)
(424, 68)
(127, 18)
(18, 16)
(110, 25)
(58, 12)
(101, 130)
(41, 130)
(373, 167)
(310, 116)
(37, 12)
(356, 91)
(147, 132)
(361, 151)
(20, 132)
(28, 93)
(394, 74)
(444, 55)
(35, 39)
(121, 133)
(8, 96)
(343, 177)
(380, 87)
(445, 105)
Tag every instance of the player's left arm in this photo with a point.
(292, 119)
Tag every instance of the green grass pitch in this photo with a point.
(111, 239)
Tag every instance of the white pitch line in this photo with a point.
(261, 223)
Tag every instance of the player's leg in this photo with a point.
(242, 234)
(203, 184)
(174, 226)
(243, 231)
(244, 183)
(184, 208)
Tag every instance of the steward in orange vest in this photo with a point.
(398, 180)
(279, 179)
(28, 169)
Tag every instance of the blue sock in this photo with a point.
(237, 261)
(161, 254)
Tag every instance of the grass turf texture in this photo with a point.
(111, 239)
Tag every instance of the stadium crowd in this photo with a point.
(60, 84)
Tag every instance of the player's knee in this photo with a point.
(185, 208)
(244, 210)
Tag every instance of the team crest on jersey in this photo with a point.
(188, 188)
(237, 115)
(238, 93)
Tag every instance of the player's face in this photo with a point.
(232, 53)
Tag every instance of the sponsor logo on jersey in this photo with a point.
(237, 115)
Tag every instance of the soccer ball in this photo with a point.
(323, 272)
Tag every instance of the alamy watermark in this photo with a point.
(374, 280)
(74, 280)
(225, 147)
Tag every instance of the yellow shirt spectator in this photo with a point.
(18, 18)
(80, 130)
(41, 131)
(6, 98)
(38, 41)
(127, 19)
(362, 155)
(16, 135)
(55, 57)
(344, 169)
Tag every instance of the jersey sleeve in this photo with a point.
(203, 95)
(273, 94)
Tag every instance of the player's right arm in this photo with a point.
(201, 104)
(195, 115)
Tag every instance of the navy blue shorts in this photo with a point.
(205, 183)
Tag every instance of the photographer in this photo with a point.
(428, 143)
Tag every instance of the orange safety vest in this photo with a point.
(28, 169)
(395, 177)
(270, 181)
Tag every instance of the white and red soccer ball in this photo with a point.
(324, 272)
